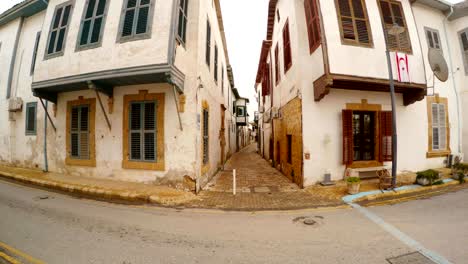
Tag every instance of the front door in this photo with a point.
(364, 136)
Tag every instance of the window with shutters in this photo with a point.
(392, 13)
(354, 22)
(136, 20)
(36, 46)
(183, 18)
(277, 65)
(31, 119)
(433, 38)
(208, 44)
(222, 80)
(439, 132)
(80, 132)
(287, 56)
(215, 70)
(92, 24)
(464, 47)
(313, 24)
(143, 131)
(58, 30)
(206, 150)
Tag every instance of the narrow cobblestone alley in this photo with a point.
(259, 187)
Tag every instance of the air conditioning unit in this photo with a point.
(15, 104)
(261, 109)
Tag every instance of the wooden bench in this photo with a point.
(382, 172)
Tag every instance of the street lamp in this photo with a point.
(395, 30)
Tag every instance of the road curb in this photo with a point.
(88, 191)
(373, 195)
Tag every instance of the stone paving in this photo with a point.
(260, 187)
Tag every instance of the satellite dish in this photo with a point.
(438, 64)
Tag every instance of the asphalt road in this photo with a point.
(59, 229)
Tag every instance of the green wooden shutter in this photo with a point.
(205, 136)
(31, 118)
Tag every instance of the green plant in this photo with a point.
(461, 177)
(459, 171)
(353, 180)
(431, 175)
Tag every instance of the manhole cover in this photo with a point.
(411, 258)
(309, 221)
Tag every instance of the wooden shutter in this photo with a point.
(386, 132)
(287, 47)
(149, 133)
(392, 13)
(143, 15)
(348, 152)
(313, 24)
(208, 44)
(464, 45)
(266, 80)
(277, 65)
(84, 132)
(59, 29)
(92, 23)
(354, 22)
(135, 131)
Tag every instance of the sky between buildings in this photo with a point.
(245, 24)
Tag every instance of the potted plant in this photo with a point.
(459, 172)
(354, 183)
(428, 177)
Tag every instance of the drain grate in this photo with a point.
(411, 258)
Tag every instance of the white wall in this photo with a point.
(112, 55)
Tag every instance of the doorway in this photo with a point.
(364, 136)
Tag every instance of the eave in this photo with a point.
(26, 8)
(107, 80)
(412, 92)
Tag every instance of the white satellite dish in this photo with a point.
(438, 64)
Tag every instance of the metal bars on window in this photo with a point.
(31, 119)
(58, 29)
(79, 132)
(205, 136)
(143, 131)
(92, 23)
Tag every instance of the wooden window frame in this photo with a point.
(433, 32)
(287, 51)
(216, 63)
(134, 36)
(159, 164)
(56, 53)
(91, 161)
(34, 57)
(33, 131)
(208, 44)
(277, 65)
(182, 22)
(464, 53)
(431, 153)
(398, 48)
(92, 20)
(356, 41)
(313, 19)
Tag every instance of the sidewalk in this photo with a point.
(99, 189)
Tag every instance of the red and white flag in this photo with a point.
(402, 67)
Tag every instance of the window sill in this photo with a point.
(136, 165)
(438, 154)
(83, 163)
(365, 164)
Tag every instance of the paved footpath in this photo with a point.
(259, 187)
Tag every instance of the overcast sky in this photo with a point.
(245, 25)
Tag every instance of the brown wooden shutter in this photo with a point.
(313, 24)
(287, 47)
(348, 152)
(354, 21)
(386, 136)
(392, 13)
(277, 66)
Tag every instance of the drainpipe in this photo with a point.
(46, 163)
(13, 58)
(453, 78)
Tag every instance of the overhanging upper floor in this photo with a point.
(105, 81)
(412, 92)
